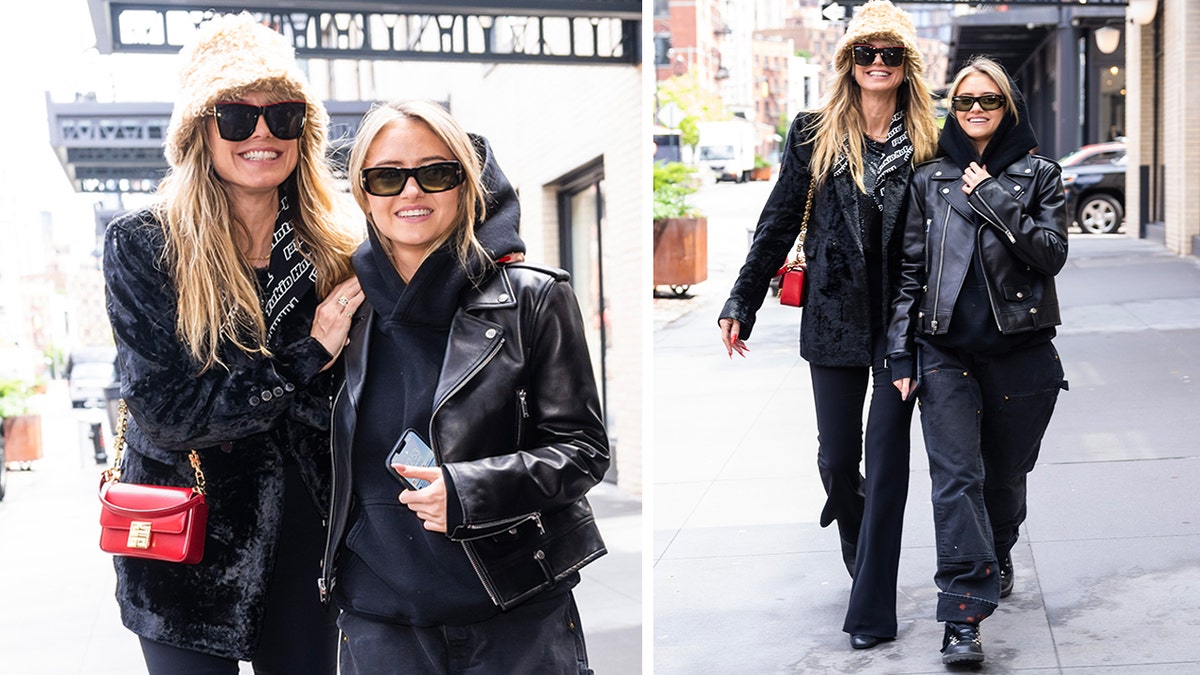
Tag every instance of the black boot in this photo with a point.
(1006, 576)
(961, 644)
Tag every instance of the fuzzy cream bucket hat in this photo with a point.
(231, 56)
(879, 20)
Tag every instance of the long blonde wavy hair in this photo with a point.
(471, 205)
(838, 126)
(217, 293)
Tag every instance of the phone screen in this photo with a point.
(410, 450)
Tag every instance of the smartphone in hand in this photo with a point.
(410, 450)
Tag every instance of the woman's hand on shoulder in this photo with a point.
(331, 323)
(730, 329)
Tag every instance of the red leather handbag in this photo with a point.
(157, 522)
(791, 275)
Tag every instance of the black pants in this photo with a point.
(542, 637)
(869, 511)
(299, 634)
(983, 418)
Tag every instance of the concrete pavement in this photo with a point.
(1108, 564)
(58, 615)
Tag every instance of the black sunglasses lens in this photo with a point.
(892, 56)
(439, 177)
(384, 181)
(236, 121)
(991, 101)
(286, 120)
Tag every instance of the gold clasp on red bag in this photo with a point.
(139, 534)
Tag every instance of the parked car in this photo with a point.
(88, 381)
(1094, 180)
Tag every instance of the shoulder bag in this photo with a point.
(151, 521)
(791, 275)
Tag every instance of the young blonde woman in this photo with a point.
(229, 299)
(975, 308)
(855, 154)
(469, 567)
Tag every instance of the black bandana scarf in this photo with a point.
(290, 275)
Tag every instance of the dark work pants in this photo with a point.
(869, 510)
(983, 418)
(538, 638)
(299, 634)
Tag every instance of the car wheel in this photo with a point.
(1100, 214)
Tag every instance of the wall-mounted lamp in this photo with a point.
(1142, 11)
(1107, 39)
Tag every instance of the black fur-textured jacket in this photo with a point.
(244, 420)
(835, 326)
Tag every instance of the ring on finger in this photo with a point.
(343, 300)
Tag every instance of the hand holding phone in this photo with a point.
(410, 450)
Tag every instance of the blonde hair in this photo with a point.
(838, 126)
(983, 65)
(471, 206)
(217, 292)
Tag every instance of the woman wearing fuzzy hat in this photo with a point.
(852, 158)
(975, 307)
(229, 299)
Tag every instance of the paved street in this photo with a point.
(1108, 565)
(58, 615)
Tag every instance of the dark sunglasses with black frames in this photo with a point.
(389, 181)
(864, 55)
(237, 121)
(987, 102)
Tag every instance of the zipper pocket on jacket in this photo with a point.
(522, 415)
(937, 290)
(483, 578)
(507, 524)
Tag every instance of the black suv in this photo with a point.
(1094, 178)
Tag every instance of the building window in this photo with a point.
(580, 222)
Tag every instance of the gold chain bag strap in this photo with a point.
(791, 282)
(151, 521)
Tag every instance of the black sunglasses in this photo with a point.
(389, 181)
(864, 55)
(237, 121)
(987, 102)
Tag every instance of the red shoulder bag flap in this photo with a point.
(152, 521)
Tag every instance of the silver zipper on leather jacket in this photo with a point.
(323, 582)
(523, 412)
(493, 595)
(995, 219)
(474, 557)
(937, 290)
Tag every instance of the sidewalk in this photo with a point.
(1108, 565)
(57, 611)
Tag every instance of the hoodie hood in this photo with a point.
(1014, 138)
(231, 56)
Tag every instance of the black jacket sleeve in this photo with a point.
(778, 226)
(175, 406)
(1037, 235)
(911, 282)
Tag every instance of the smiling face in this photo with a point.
(413, 220)
(258, 164)
(979, 124)
(876, 77)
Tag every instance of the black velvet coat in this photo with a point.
(835, 326)
(244, 420)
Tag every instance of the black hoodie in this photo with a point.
(393, 569)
